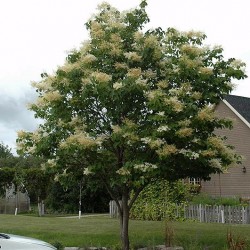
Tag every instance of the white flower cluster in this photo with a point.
(21, 134)
(117, 85)
(43, 85)
(151, 41)
(68, 67)
(176, 104)
(163, 128)
(52, 96)
(237, 64)
(163, 84)
(81, 139)
(145, 167)
(154, 94)
(146, 140)
(86, 81)
(134, 72)
(184, 132)
(116, 128)
(133, 56)
(20, 146)
(51, 163)
(101, 77)
(87, 171)
(190, 154)
(215, 163)
(123, 171)
(141, 82)
(161, 113)
(31, 150)
(89, 58)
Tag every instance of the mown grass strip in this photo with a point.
(104, 231)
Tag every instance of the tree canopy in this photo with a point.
(132, 105)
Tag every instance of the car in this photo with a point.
(17, 242)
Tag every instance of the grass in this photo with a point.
(88, 231)
(103, 231)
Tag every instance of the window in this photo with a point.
(195, 181)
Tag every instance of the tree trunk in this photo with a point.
(124, 221)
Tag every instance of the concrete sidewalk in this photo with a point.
(89, 248)
(82, 216)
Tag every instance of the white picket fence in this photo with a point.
(205, 213)
(113, 210)
(219, 214)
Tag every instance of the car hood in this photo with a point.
(28, 240)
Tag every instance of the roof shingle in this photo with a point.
(240, 104)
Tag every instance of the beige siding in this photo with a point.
(235, 182)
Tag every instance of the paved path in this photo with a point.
(82, 216)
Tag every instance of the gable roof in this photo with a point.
(240, 106)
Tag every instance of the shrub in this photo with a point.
(159, 200)
(205, 199)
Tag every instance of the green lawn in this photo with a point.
(103, 231)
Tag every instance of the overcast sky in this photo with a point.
(36, 35)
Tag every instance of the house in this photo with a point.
(236, 182)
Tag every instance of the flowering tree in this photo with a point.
(130, 106)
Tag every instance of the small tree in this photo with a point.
(37, 183)
(5, 151)
(133, 106)
(8, 172)
(7, 177)
(7, 159)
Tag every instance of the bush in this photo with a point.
(209, 200)
(159, 200)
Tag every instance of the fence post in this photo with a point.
(200, 212)
(243, 215)
(247, 214)
(222, 215)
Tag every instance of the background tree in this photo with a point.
(37, 183)
(7, 159)
(8, 174)
(7, 177)
(134, 106)
(66, 200)
(5, 151)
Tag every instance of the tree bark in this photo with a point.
(124, 221)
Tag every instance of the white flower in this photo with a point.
(117, 85)
(101, 77)
(123, 171)
(116, 128)
(146, 140)
(215, 163)
(134, 72)
(194, 155)
(57, 176)
(52, 96)
(31, 150)
(161, 113)
(163, 128)
(86, 171)
(191, 155)
(237, 64)
(89, 58)
(141, 82)
(133, 56)
(51, 162)
(144, 167)
(21, 134)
